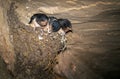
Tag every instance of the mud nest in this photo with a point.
(35, 58)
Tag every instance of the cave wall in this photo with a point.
(21, 51)
(22, 54)
(6, 48)
(93, 49)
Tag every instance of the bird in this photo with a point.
(61, 26)
(65, 25)
(54, 24)
(39, 20)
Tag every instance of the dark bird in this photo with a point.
(39, 20)
(54, 24)
(65, 25)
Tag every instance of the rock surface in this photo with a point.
(93, 49)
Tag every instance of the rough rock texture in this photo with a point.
(30, 57)
(93, 49)
(6, 47)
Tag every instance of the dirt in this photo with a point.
(93, 49)
(36, 57)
